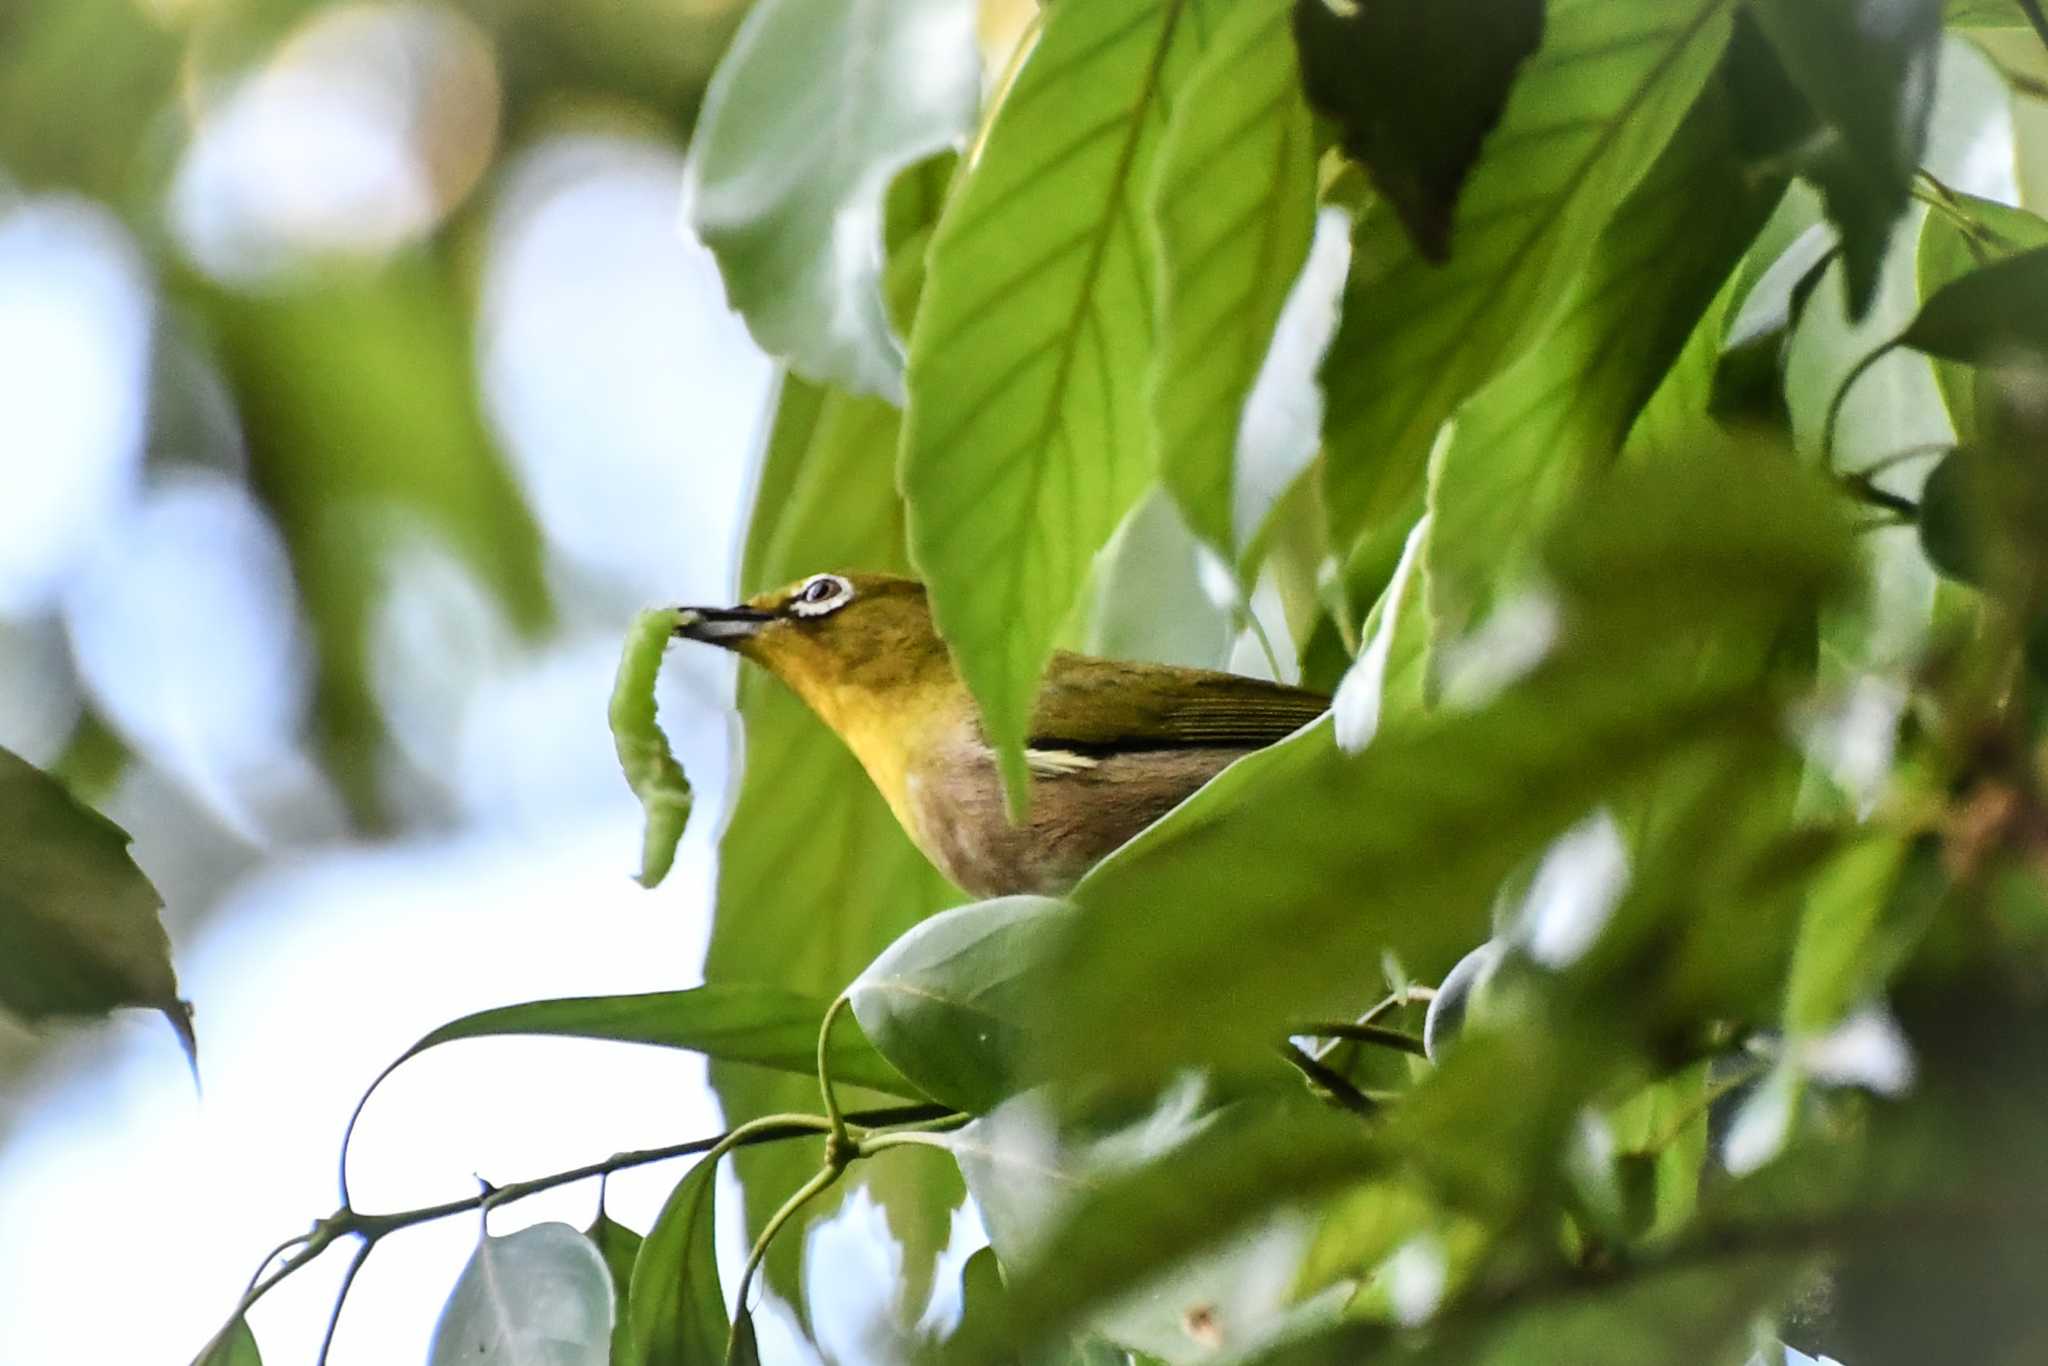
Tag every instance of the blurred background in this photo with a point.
(357, 385)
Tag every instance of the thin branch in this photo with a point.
(1398, 1039)
(2032, 9)
(832, 1115)
(345, 1222)
(1328, 1081)
(821, 1181)
(348, 1279)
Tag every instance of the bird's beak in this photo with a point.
(725, 626)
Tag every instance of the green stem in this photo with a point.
(821, 1181)
(372, 1227)
(2032, 9)
(921, 1137)
(1834, 414)
(348, 1279)
(1398, 1039)
(832, 1115)
(1328, 1081)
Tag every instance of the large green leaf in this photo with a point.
(1996, 313)
(948, 1000)
(675, 1306)
(1526, 443)
(1115, 1229)
(1418, 137)
(816, 106)
(542, 1294)
(620, 1247)
(1235, 201)
(1867, 67)
(1027, 435)
(1298, 869)
(1953, 244)
(745, 1022)
(1678, 1316)
(1587, 117)
(234, 1345)
(815, 877)
(79, 933)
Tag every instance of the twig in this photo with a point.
(346, 1222)
(1398, 1039)
(348, 1278)
(1329, 1081)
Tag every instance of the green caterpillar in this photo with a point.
(650, 767)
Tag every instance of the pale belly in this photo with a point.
(1081, 809)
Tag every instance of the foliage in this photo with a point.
(1611, 561)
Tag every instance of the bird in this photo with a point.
(1113, 745)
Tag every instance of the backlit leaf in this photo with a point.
(1418, 138)
(619, 1246)
(1235, 201)
(1949, 250)
(1587, 116)
(79, 933)
(745, 1022)
(949, 1000)
(1524, 445)
(675, 1306)
(234, 1345)
(1997, 313)
(815, 108)
(1027, 435)
(1867, 67)
(539, 1295)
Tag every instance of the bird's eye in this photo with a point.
(820, 595)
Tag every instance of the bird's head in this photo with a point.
(839, 641)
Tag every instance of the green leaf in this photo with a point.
(1854, 930)
(1951, 249)
(1027, 437)
(1415, 88)
(79, 933)
(761, 1026)
(1867, 68)
(1587, 117)
(815, 108)
(1529, 440)
(947, 1003)
(620, 1247)
(909, 216)
(1235, 202)
(1983, 14)
(1997, 313)
(1146, 600)
(234, 1345)
(1678, 1316)
(675, 1305)
(1297, 870)
(1232, 1170)
(815, 877)
(539, 1295)
(650, 766)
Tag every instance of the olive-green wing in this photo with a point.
(1107, 706)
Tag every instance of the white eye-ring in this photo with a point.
(820, 594)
